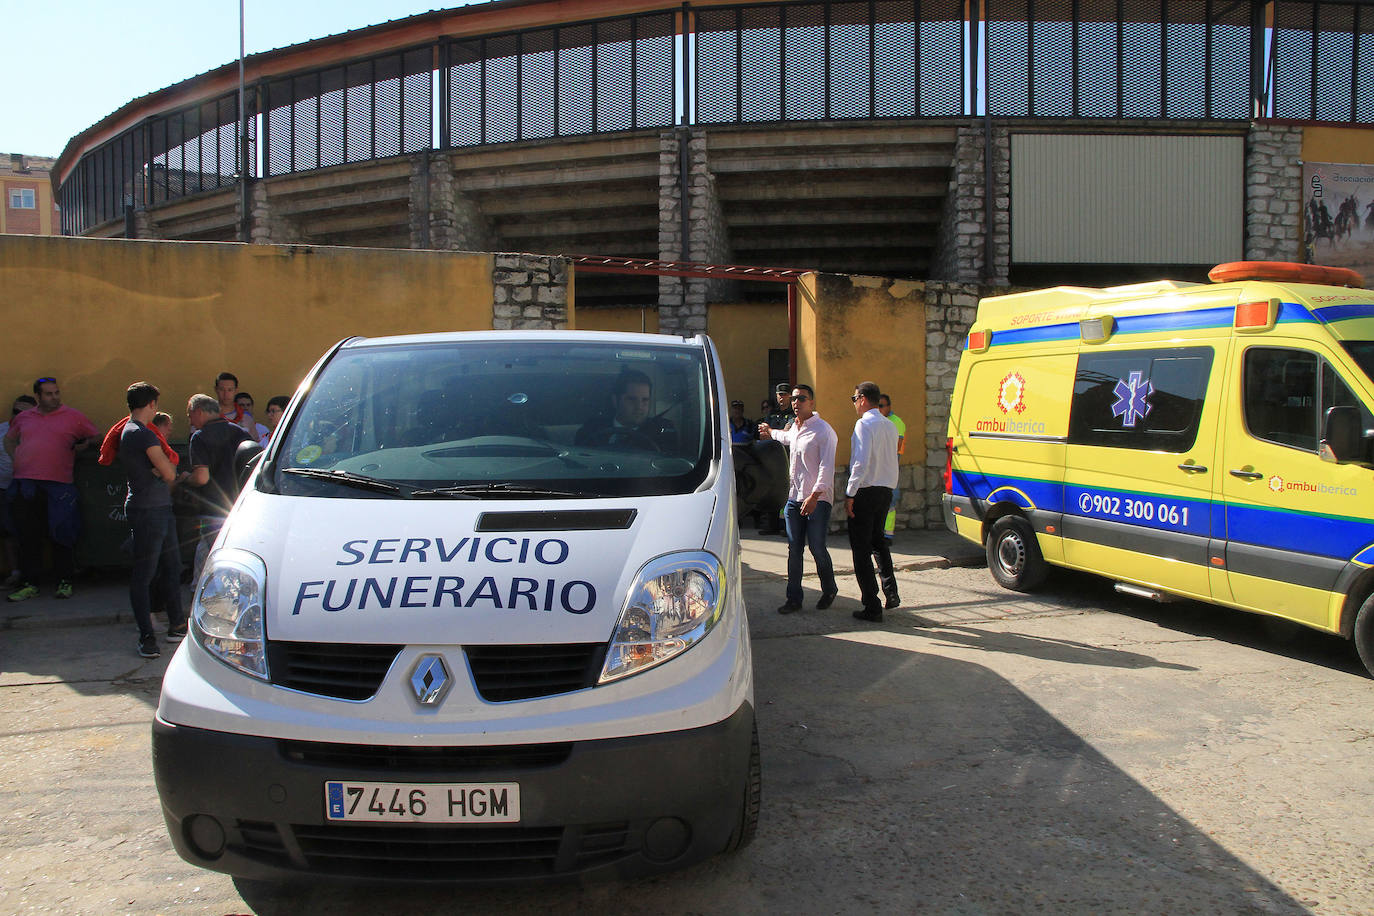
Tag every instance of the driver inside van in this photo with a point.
(630, 426)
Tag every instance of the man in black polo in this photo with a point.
(148, 507)
(213, 444)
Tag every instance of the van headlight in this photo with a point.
(227, 613)
(674, 602)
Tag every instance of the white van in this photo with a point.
(476, 616)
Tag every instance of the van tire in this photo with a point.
(1014, 557)
(1364, 634)
(748, 825)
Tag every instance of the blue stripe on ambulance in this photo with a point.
(1199, 319)
(1281, 541)
(1334, 313)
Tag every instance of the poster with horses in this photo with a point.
(1338, 219)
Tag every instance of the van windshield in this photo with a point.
(1362, 351)
(501, 419)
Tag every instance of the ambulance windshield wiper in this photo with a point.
(496, 488)
(346, 478)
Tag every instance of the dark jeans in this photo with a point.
(866, 543)
(45, 511)
(809, 530)
(157, 565)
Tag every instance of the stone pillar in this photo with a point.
(950, 310)
(267, 227)
(1273, 194)
(441, 216)
(530, 292)
(961, 254)
(144, 227)
(682, 303)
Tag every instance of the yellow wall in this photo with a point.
(1337, 144)
(98, 314)
(743, 334)
(856, 329)
(633, 320)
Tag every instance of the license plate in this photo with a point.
(429, 803)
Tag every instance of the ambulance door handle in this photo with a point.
(1247, 475)
(1193, 468)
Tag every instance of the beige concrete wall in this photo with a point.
(628, 319)
(855, 329)
(1337, 144)
(744, 333)
(98, 314)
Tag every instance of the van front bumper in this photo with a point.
(255, 807)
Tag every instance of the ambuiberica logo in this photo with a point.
(1011, 396)
(1011, 399)
(1278, 485)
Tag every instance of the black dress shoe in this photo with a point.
(870, 616)
(826, 599)
(893, 602)
(789, 607)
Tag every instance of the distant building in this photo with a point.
(26, 189)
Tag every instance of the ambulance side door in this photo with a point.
(1292, 520)
(1138, 478)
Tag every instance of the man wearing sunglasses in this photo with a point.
(872, 478)
(43, 443)
(810, 494)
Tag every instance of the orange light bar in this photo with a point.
(1257, 316)
(979, 341)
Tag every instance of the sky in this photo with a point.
(68, 63)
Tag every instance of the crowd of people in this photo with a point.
(871, 493)
(39, 505)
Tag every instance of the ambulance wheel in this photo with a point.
(1014, 555)
(743, 833)
(1364, 634)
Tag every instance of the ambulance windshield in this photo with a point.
(501, 419)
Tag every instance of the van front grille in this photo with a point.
(340, 670)
(393, 758)
(436, 852)
(503, 673)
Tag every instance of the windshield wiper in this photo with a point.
(474, 490)
(346, 478)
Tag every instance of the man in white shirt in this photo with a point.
(872, 477)
(810, 495)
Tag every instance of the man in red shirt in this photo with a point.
(43, 442)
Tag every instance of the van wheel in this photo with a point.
(1364, 634)
(748, 824)
(1014, 555)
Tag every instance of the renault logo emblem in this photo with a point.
(430, 680)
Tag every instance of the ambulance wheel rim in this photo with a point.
(1011, 553)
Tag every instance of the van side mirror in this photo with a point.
(1341, 436)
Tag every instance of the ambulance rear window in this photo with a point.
(501, 419)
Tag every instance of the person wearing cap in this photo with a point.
(43, 442)
(779, 419)
(742, 431)
(782, 414)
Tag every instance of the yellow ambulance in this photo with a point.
(1213, 441)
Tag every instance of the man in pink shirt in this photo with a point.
(810, 495)
(43, 442)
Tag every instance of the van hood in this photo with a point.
(407, 572)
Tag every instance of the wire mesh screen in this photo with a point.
(1120, 59)
(616, 74)
(365, 110)
(1323, 62)
(1179, 59)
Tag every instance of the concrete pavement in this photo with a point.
(102, 596)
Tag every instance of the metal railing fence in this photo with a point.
(753, 63)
